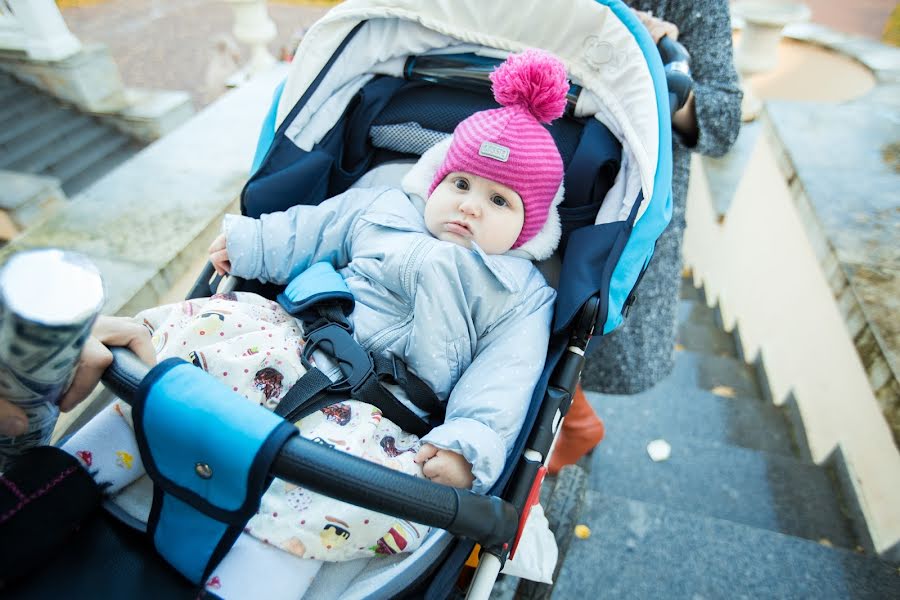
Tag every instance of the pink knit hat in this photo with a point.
(509, 145)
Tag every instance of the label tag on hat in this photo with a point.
(495, 151)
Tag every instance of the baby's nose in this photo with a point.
(470, 208)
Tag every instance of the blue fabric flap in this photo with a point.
(319, 283)
(208, 451)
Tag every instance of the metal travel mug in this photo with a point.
(49, 300)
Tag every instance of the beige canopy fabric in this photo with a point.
(599, 52)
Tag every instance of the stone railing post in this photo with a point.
(253, 27)
(46, 36)
(757, 51)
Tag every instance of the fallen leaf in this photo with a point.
(659, 450)
(826, 542)
(724, 391)
(687, 272)
(678, 347)
(582, 532)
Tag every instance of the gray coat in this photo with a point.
(475, 327)
(642, 351)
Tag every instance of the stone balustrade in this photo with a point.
(36, 27)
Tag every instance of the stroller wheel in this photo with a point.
(562, 510)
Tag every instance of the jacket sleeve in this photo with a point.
(278, 246)
(487, 406)
(705, 30)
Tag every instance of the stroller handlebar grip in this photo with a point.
(358, 481)
(677, 64)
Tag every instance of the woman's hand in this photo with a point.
(657, 27)
(95, 358)
(445, 466)
(218, 256)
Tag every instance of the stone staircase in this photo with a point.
(736, 511)
(40, 135)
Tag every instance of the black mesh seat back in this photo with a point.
(438, 108)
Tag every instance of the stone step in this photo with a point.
(27, 199)
(84, 132)
(747, 486)
(640, 550)
(725, 375)
(689, 292)
(697, 312)
(24, 116)
(670, 413)
(96, 152)
(12, 94)
(42, 138)
(698, 330)
(94, 172)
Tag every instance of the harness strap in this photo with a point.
(394, 370)
(373, 392)
(314, 390)
(320, 299)
(301, 399)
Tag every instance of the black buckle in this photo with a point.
(352, 359)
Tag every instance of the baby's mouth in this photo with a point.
(459, 228)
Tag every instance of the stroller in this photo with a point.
(376, 83)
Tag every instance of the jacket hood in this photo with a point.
(418, 180)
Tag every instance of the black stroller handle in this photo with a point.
(677, 64)
(471, 72)
(489, 520)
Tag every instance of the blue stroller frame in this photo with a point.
(601, 265)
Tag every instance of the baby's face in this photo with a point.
(464, 208)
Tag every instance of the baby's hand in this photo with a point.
(445, 466)
(218, 256)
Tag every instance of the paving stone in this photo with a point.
(768, 491)
(670, 413)
(639, 550)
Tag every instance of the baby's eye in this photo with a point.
(499, 200)
(461, 183)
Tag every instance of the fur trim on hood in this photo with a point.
(540, 247)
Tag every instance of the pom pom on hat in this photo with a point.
(510, 145)
(535, 80)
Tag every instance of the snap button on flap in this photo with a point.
(203, 470)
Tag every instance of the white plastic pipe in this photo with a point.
(485, 577)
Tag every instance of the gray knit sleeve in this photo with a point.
(705, 30)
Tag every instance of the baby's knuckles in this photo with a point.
(449, 468)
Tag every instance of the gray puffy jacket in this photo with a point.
(474, 326)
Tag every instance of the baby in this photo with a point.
(442, 278)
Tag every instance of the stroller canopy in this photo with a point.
(604, 47)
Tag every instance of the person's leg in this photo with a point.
(582, 429)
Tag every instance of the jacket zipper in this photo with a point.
(391, 334)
